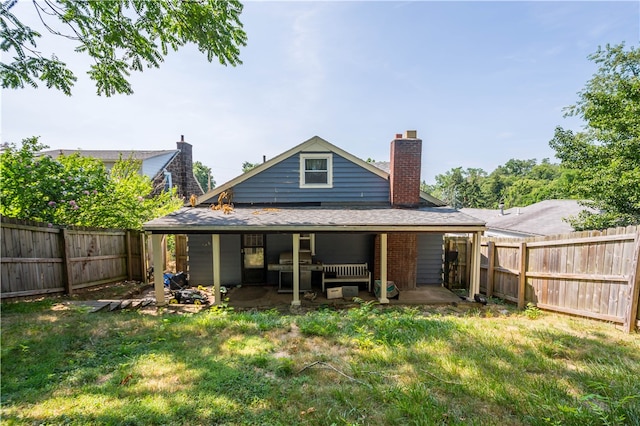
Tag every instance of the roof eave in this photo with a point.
(204, 229)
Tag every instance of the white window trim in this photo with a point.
(329, 157)
(312, 242)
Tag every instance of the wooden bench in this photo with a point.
(346, 273)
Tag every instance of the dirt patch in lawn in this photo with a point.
(115, 291)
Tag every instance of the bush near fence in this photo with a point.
(37, 259)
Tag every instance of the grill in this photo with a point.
(285, 271)
(286, 258)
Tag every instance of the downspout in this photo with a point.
(168, 179)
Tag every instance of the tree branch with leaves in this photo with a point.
(120, 36)
(605, 156)
(77, 190)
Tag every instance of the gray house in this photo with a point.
(548, 217)
(292, 220)
(166, 168)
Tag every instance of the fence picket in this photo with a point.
(591, 273)
(36, 259)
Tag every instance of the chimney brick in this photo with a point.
(406, 159)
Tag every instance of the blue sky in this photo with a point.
(481, 82)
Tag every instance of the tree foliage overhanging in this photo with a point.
(605, 156)
(119, 35)
(76, 190)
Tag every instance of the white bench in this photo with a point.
(346, 273)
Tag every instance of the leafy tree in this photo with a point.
(493, 189)
(605, 156)
(515, 167)
(27, 184)
(425, 187)
(516, 183)
(203, 176)
(119, 35)
(460, 188)
(76, 190)
(246, 166)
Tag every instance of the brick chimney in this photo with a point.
(406, 153)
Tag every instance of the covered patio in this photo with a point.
(384, 223)
(268, 297)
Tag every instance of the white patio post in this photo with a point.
(474, 287)
(158, 273)
(215, 264)
(383, 269)
(296, 270)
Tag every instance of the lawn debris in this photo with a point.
(124, 381)
(308, 411)
(439, 378)
(326, 364)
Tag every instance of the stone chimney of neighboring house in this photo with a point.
(406, 158)
(181, 169)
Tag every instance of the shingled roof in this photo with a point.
(107, 155)
(544, 218)
(316, 219)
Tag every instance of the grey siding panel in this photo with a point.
(276, 244)
(281, 184)
(430, 254)
(151, 166)
(231, 260)
(344, 248)
(199, 249)
(200, 260)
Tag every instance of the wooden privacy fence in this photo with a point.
(36, 259)
(593, 274)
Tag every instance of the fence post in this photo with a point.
(467, 263)
(129, 256)
(143, 258)
(523, 275)
(634, 288)
(67, 278)
(491, 267)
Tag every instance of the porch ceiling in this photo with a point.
(314, 219)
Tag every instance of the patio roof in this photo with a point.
(314, 219)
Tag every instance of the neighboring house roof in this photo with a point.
(543, 218)
(314, 144)
(153, 162)
(382, 165)
(317, 219)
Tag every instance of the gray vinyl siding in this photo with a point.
(200, 260)
(276, 244)
(344, 248)
(154, 165)
(430, 254)
(281, 184)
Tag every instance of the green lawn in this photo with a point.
(363, 366)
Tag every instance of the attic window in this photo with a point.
(316, 170)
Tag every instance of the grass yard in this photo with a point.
(363, 366)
